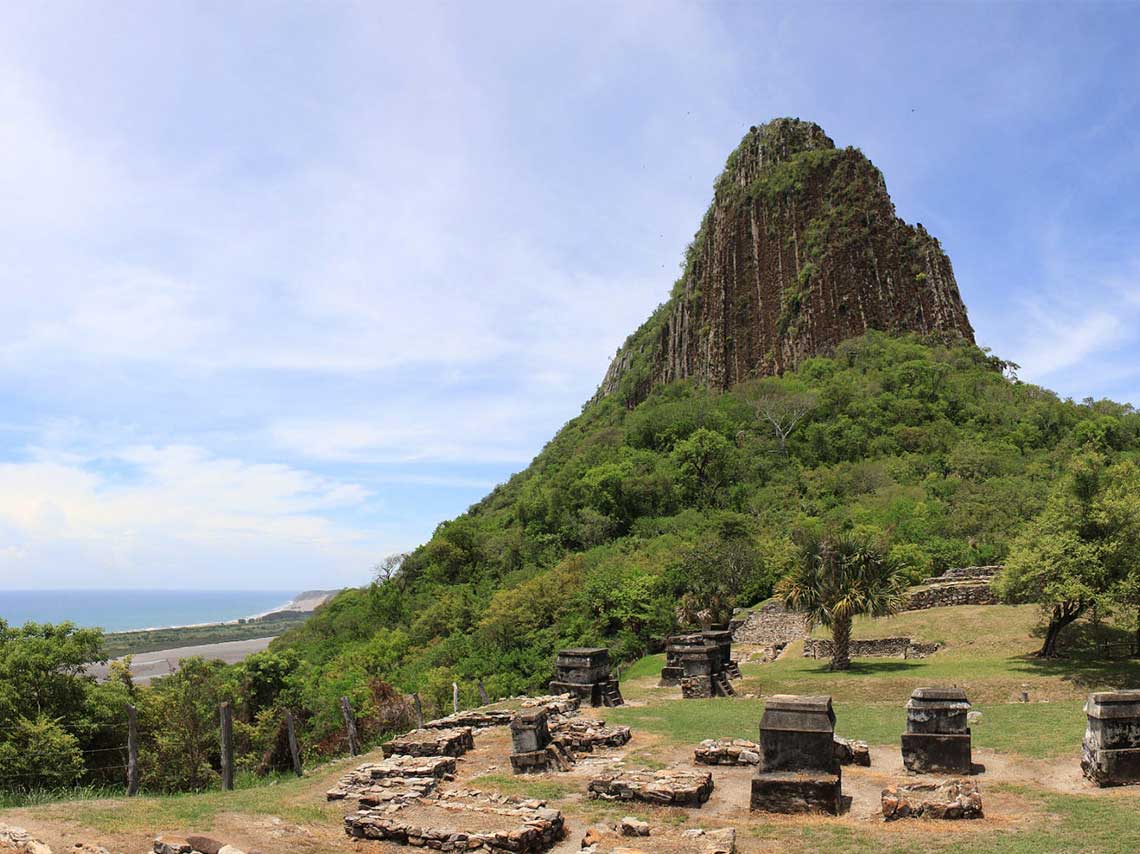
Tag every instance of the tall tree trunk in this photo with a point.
(841, 644)
(1061, 616)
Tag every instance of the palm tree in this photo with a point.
(838, 578)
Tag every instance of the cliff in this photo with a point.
(800, 249)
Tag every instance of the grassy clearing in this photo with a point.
(531, 787)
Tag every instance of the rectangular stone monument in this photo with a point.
(673, 672)
(799, 771)
(722, 639)
(1110, 753)
(937, 738)
(585, 673)
(535, 750)
(703, 668)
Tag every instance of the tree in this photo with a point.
(838, 578)
(704, 461)
(779, 405)
(1081, 552)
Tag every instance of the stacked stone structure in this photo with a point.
(431, 742)
(535, 749)
(704, 673)
(721, 637)
(673, 672)
(1110, 753)
(799, 770)
(969, 585)
(937, 737)
(585, 734)
(585, 673)
(674, 787)
(872, 648)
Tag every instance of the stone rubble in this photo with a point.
(675, 787)
(952, 799)
(586, 734)
(473, 718)
(192, 845)
(566, 705)
(727, 751)
(16, 839)
(850, 752)
(631, 826)
(535, 750)
(431, 742)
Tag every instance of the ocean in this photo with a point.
(123, 610)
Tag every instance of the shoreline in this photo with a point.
(303, 603)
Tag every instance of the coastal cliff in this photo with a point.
(800, 249)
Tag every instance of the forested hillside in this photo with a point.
(689, 501)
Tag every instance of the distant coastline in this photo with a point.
(133, 610)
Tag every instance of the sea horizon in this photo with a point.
(132, 609)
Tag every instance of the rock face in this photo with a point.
(799, 250)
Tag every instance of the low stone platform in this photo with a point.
(474, 718)
(586, 734)
(676, 787)
(953, 799)
(727, 751)
(463, 822)
(565, 705)
(793, 792)
(616, 839)
(431, 742)
(393, 768)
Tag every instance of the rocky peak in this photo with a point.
(799, 250)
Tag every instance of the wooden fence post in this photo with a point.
(294, 748)
(455, 697)
(132, 751)
(227, 717)
(483, 698)
(350, 726)
(419, 711)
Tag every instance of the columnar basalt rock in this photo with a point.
(674, 787)
(1110, 753)
(799, 770)
(431, 742)
(585, 673)
(535, 749)
(953, 799)
(800, 249)
(937, 737)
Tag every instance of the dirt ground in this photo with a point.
(307, 824)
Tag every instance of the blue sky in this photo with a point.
(284, 285)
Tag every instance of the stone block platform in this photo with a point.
(396, 778)
(587, 734)
(953, 799)
(676, 787)
(431, 742)
(463, 822)
(797, 792)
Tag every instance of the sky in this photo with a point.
(285, 285)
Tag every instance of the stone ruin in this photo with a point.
(690, 657)
(953, 799)
(799, 771)
(192, 845)
(671, 788)
(495, 824)
(937, 737)
(534, 749)
(473, 718)
(585, 673)
(721, 637)
(851, 752)
(396, 780)
(727, 751)
(585, 734)
(431, 742)
(872, 648)
(1110, 752)
(17, 839)
(969, 585)
(617, 839)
